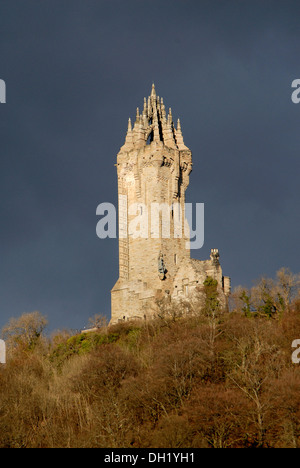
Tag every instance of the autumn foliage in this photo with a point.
(215, 379)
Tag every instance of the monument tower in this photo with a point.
(153, 168)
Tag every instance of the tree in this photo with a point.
(269, 297)
(211, 297)
(256, 360)
(266, 302)
(241, 301)
(98, 321)
(210, 307)
(287, 286)
(25, 330)
(170, 310)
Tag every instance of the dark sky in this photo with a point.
(76, 70)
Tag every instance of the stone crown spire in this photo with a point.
(153, 125)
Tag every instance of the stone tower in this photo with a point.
(153, 168)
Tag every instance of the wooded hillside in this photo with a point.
(214, 379)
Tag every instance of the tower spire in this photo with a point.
(153, 120)
(179, 137)
(128, 139)
(153, 92)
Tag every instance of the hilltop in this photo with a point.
(212, 379)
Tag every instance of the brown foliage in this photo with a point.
(157, 384)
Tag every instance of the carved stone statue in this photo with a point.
(161, 267)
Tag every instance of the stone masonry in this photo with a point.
(153, 168)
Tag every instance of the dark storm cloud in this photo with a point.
(75, 71)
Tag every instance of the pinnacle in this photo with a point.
(153, 92)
